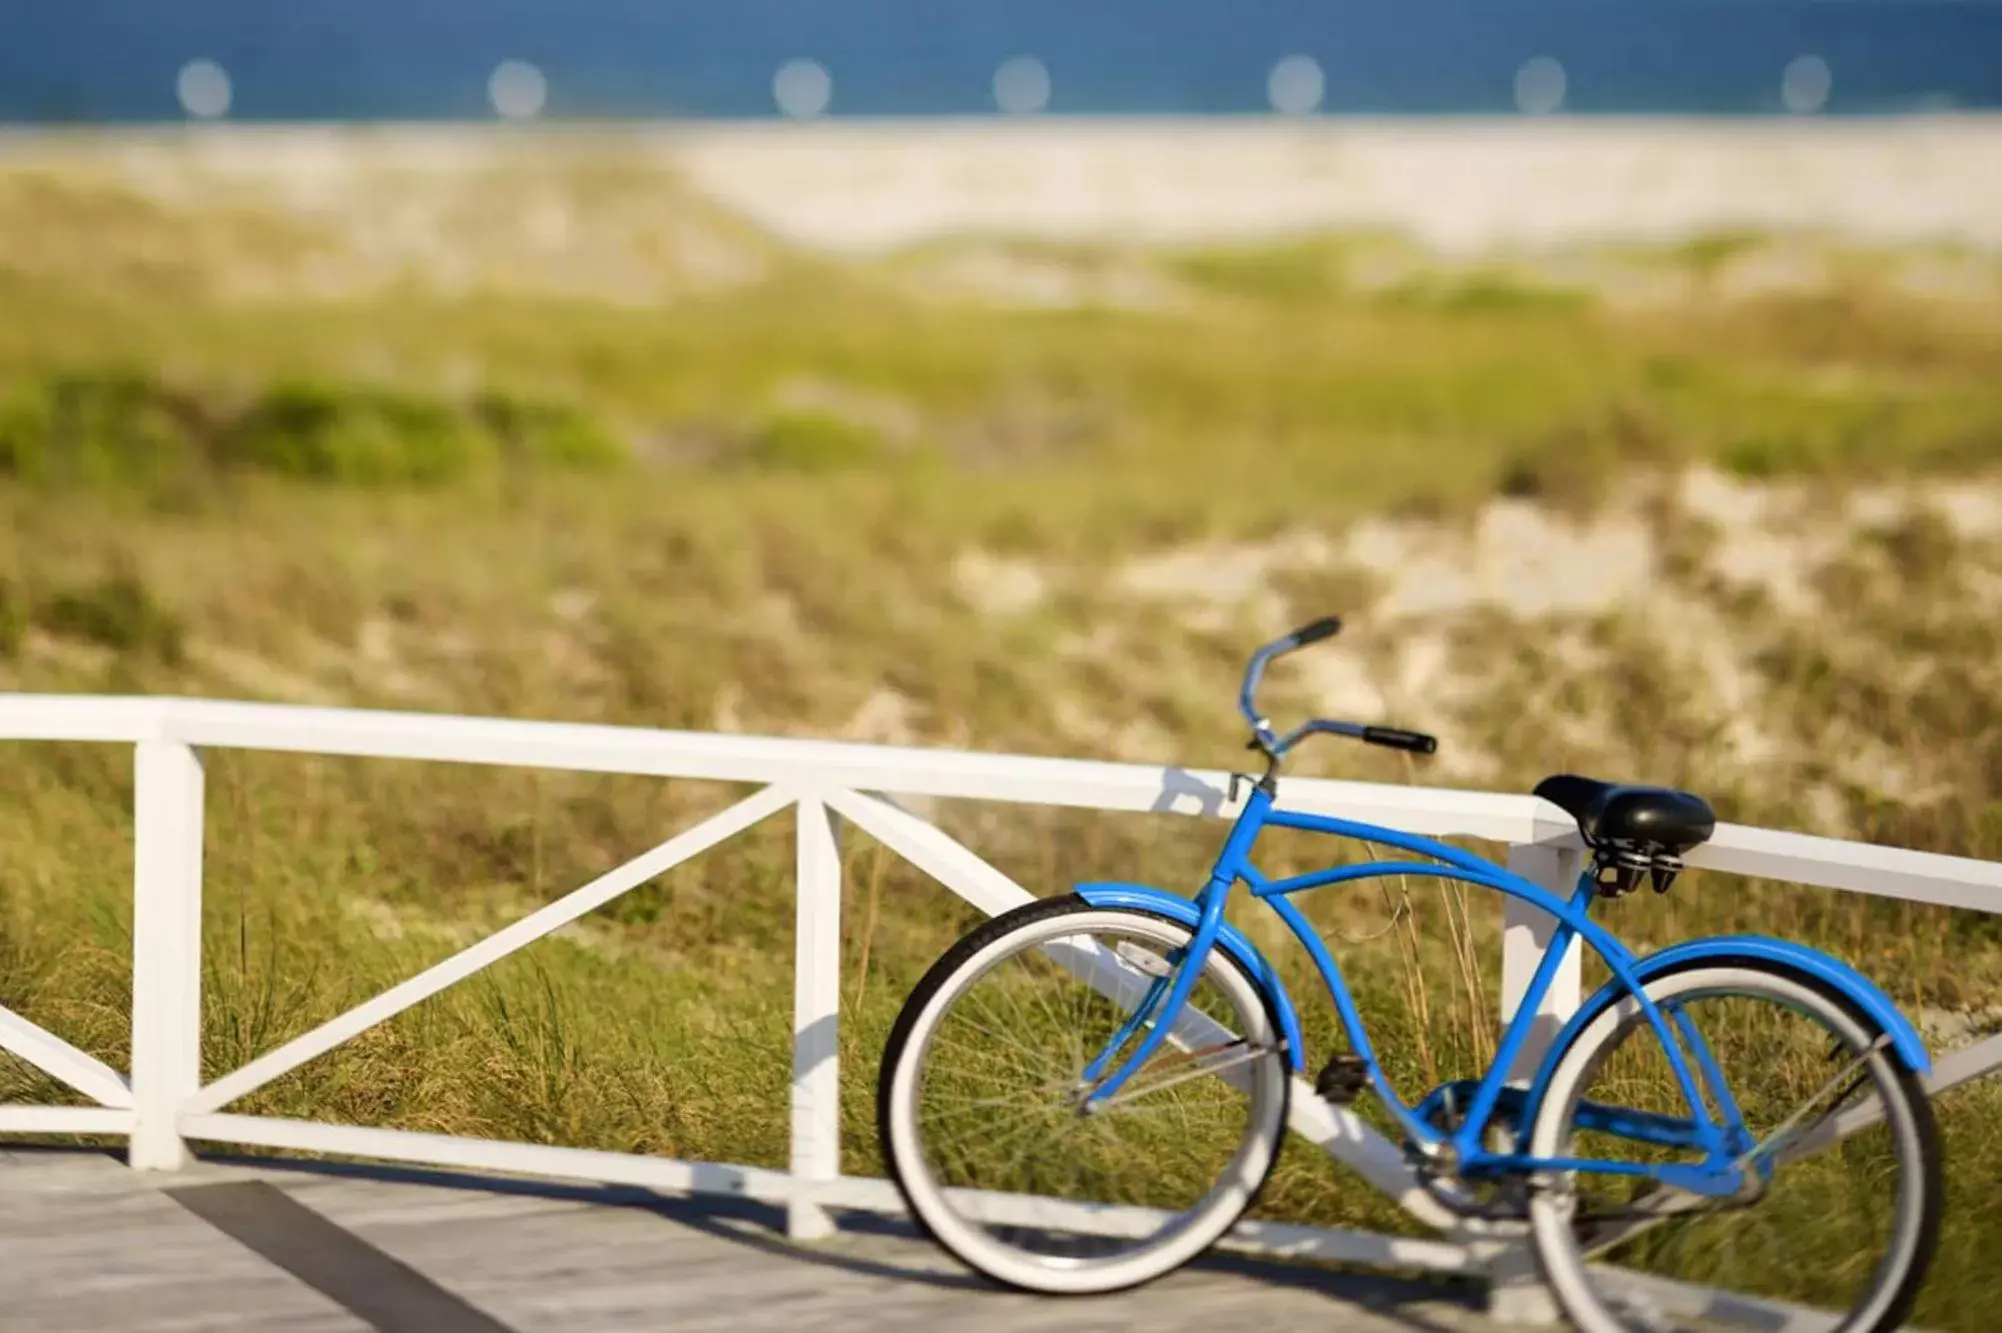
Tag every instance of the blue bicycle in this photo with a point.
(1086, 1092)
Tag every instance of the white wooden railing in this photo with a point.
(162, 1102)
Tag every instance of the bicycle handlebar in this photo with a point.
(1324, 628)
(1396, 738)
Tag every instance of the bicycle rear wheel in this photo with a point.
(977, 1108)
(1843, 1228)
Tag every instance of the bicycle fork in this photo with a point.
(1167, 992)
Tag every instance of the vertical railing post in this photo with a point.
(166, 949)
(1516, 1292)
(816, 1073)
(1526, 933)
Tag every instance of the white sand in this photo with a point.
(1460, 185)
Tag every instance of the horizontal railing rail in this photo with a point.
(160, 1103)
(1800, 858)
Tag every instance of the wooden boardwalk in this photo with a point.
(88, 1246)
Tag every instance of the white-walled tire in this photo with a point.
(1162, 1238)
(1600, 1299)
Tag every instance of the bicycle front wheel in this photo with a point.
(978, 1107)
(1839, 1231)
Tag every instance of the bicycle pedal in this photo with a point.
(1341, 1078)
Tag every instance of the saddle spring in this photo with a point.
(1617, 868)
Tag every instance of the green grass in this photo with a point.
(113, 429)
(756, 507)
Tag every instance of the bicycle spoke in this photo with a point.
(1846, 1071)
(1131, 1091)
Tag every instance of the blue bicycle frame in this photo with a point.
(1722, 1139)
(1164, 1000)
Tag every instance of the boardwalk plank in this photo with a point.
(87, 1246)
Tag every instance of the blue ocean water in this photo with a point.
(118, 60)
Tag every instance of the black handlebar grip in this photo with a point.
(1325, 627)
(1399, 739)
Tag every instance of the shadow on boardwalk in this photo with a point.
(242, 1241)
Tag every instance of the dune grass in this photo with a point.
(828, 501)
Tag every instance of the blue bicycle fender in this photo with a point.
(1857, 988)
(1229, 938)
